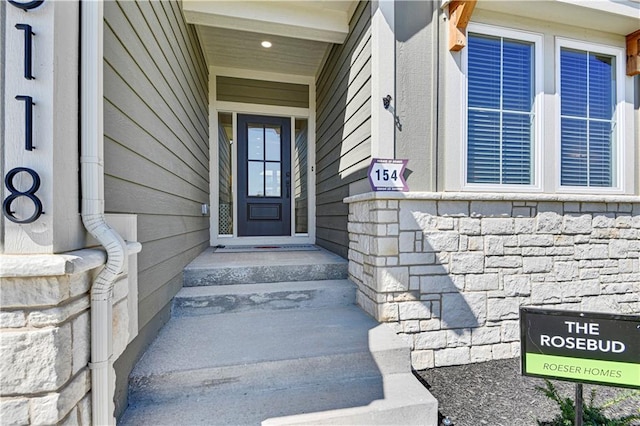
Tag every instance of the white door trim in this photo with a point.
(236, 108)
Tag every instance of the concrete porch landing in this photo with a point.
(291, 351)
(216, 258)
(263, 266)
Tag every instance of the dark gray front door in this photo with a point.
(264, 176)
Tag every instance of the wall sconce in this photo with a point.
(386, 101)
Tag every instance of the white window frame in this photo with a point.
(538, 109)
(619, 117)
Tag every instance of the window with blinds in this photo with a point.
(500, 110)
(587, 118)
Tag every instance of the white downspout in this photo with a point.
(92, 181)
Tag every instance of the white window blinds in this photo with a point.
(500, 110)
(587, 99)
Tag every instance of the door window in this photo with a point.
(264, 160)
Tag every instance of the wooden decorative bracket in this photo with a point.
(633, 53)
(459, 15)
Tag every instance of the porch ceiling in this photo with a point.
(300, 32)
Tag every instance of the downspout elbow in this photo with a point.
(102, 379)
(116, 251)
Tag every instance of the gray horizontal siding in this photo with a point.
(156, 151)
(343, 134)
(262, 92)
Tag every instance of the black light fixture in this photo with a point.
(386, 101)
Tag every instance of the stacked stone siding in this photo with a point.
(451, 271)
(45, 342)
(45, 336)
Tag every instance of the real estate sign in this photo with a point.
(582, 347)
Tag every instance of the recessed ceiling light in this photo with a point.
(266, 44)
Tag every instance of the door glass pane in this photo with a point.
(255, 179)
(225, 179)
(255, 140)
(272, 134)
(272, 179)
(300, 177)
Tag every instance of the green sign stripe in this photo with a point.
(591, 370)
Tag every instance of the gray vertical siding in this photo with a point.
(343, 147)
(416, 30)
(156, 151)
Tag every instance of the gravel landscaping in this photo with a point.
(495, 393)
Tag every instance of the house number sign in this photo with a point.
(10, 178)
(387, 175)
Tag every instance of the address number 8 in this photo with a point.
(15, 194)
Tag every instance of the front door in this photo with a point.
(264, 176)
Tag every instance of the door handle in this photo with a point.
(287, 183)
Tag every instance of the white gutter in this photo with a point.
(92, 181)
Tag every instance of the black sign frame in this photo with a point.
(625, 323)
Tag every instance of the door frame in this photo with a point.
(236, 108)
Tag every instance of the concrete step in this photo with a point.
(405, 402)
(215, 268)
(205, 300)
(337, 344)
(262, 376)
(275, 340)
(253, 406)
(247, 367)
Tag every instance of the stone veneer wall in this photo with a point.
(450, 271)
(45, 341)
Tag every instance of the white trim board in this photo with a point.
(236, 108)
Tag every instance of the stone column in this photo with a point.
(45, 345)
(52, 87)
